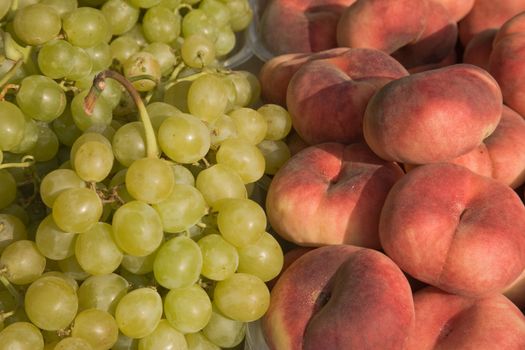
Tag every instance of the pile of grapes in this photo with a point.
(133, 164)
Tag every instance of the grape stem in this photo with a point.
(26, 162)
(10, 288)
(99, 83)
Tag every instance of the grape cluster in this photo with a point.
(133, 164)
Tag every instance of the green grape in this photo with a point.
(217, 11)
(198, 22)
(31, 131)
(187, 309)
(123, 47)
(70, 267)
(183, 209)
(55, 57)
(5, 6)
(184, 138)
(8, 188)
(125, 343)
(275, 153)
(12, 229)
(117, 184)
(198, 51)
(223, 128)
(251, 125)
(101, 115)
(244, 158)
(223, 331)
(61, 6)
(241, 14)
(220, 258)
(150, 180)
(230, 92)
(178, 263)
(139, 312)
(247, 87)
(21, 336)
(86, 27)
(56, 181)
(240, 221)
(121, 15)
(144, 3)
(139, 265)
(41, 98)
(52, 242)
(143, 70)
(81, 65)
(73, 343)
(278, 120)
(23, 261)
(18, 211)
(163, 53)
(102, 292)
(96, 251)
(164, 337)
(198, 341)
(220, 181)
(160, 111)
(12, 125)
(96, 326)
(137, 228)
(137, 34)
(242, 297)
(177, 95)
(51, 303)
(182, 175)
(112, 92)
(65, 128)
(207, 98)
(100, 55)
(47, 144)
(129, 143)
(263, 258)
(77, 209)
(36, 24)
(161, 24)
(225, 42)
(171, 4)
(92, 157)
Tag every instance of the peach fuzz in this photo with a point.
(479, 48)
(330, 193)
(433, 116)
(327, 97)
(340, 296)
(297, 26)
(454, 229)
(457, 9)
(447, 321)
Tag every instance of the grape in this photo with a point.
(137, 228)
(66, 129)
(222, 128)
(47, 144)
(137, 34)
(61, 6)
(41, 98)
(12, 229)
(225, 42)
(244, 158)
(183, 209)
(223, 331)
(52, 242)
(182, 175)
(56, 181)
(100, 55)
(275, 153)
(96, 326)
(139, 312)
(73, 343)
(198, 51)
(220, 258)
(263, 258)
(71, 268)
(218, 182)
(247, 87)
(86, 27)
(241, 14)
(101, 114)
(161, 24)
(198, 22)
(123, 47)
(8, 189)
(36, 24)
(160, 111)
(207, 98)
(139, 265)
(77, 209)
(251, 125)
(278, 120)
(51, 303)
(102, 292)
(242, 297)
(92, 157)
(197, 341)
(21, 336)
(5, 6)
(129, 143)
(144, 3)
(81, 65)
(12, 125)
(23, 261)
(217, 11)
(163, 53)
(171, 4)
(163, 337)
(139, 65)
(150, 180)
(178, 263)
(121, 15)
(96, 251)
(184, 138)
(73, 283)
(54, 58)
(125, 343)
(112, 92)
(187, 309)
(176, 95)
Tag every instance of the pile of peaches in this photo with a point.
(403, 198)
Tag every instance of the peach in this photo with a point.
(448, 321)
(330, 193)
(433, 116)
(327, 97)
(457, 9)
(294, 26)
(479, 48)
(454, 229)
(340, 297)
(516, 291)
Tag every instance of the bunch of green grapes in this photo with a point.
(133, 168)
